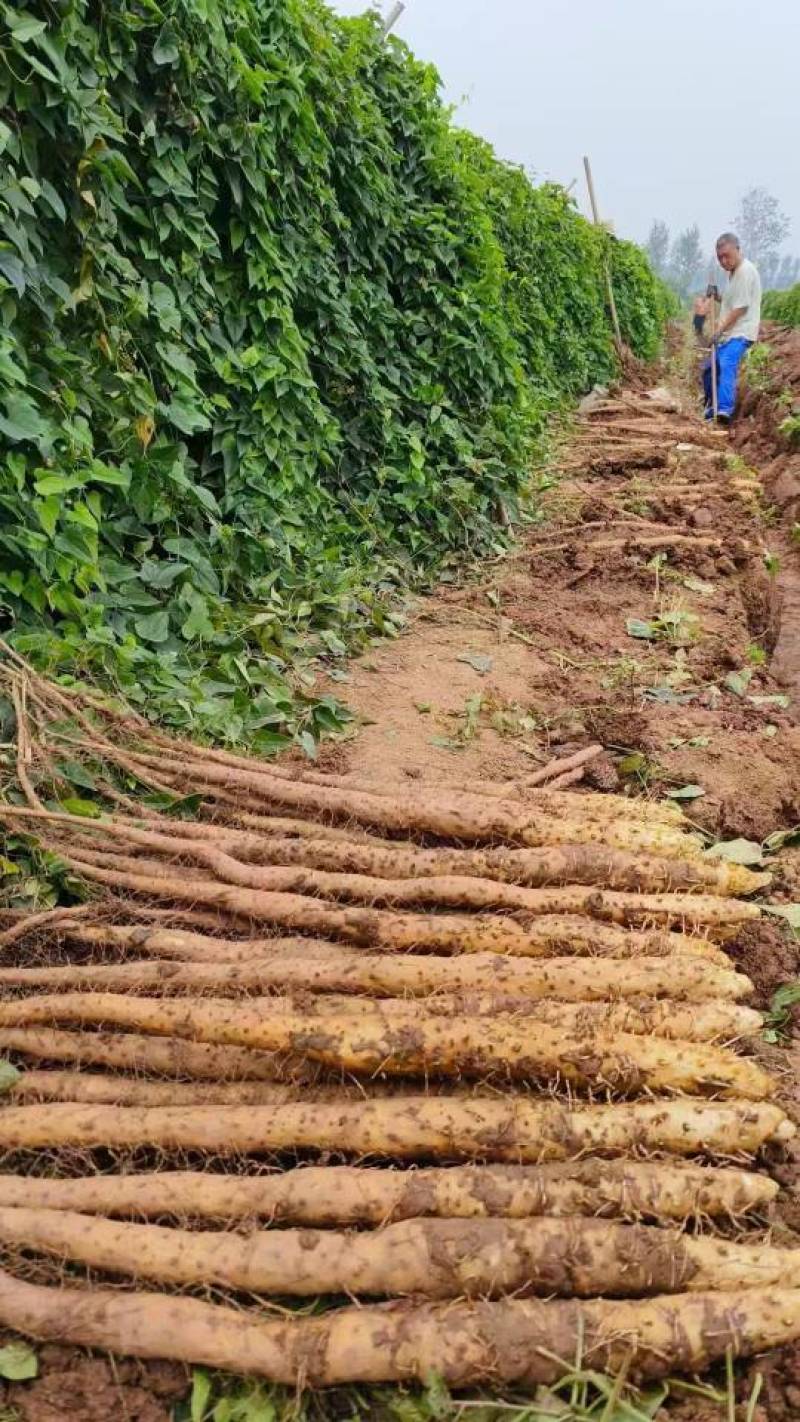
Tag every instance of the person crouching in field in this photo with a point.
(700, 310)
(738, 327)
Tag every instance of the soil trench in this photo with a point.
(643, 613)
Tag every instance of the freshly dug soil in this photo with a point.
(766, 953)
(768, 398)
(74, 1387)
(533, 658)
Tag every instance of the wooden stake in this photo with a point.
(714, 394)
(393, 16)
(606, 267)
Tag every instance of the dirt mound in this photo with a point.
(772, 393)
(764, 952)
(766, 400)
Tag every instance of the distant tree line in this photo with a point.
(761, 226)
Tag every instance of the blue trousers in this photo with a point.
(729, 357)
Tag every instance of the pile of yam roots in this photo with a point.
(468, 1069)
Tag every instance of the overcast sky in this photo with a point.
(681, 106)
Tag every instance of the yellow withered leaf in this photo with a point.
(145, 429)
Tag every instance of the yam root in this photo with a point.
(164, 1056)
(521, 1047)
(56, 918)
(351, 1195)
(603, 806)
(698, 1022)
(483, 1128)
(590, 864)
(258, 886)
(134, 727)
(236, 820)
(127, 1091)
(544, 936)
(701, 1022)
(554, 769)
(569, 803)
(350, 971)
(462, 933)
(515, 1341)
(199, 947)
(465, 818)
(562, 864)
(431, 1258)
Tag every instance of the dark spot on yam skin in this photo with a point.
(308, 1239)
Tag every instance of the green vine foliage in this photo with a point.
(554, 262)
(783, 306)
(276, 341)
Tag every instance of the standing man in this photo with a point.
(738, 328)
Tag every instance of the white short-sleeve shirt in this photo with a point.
(743, 289)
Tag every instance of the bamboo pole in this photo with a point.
(612, 305)
(392, 17)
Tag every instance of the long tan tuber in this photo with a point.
(550, 936)
(370, 927)
(523, 1048)
(517, 1341)
(432, 1258)
(262, 884)
(164, 1056)
(698, 1022)
(126, 1091)
(516, 1130)
(600, 806)
(202, 947)
(134, 727)
(561, 864)
(466, 818)
(539, 795)
(349, 1195)
(347, 970)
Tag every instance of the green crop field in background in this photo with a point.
(783, 306)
